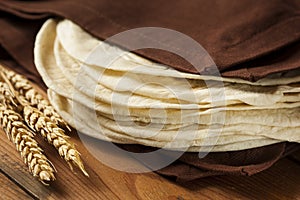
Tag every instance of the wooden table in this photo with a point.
(282, 181)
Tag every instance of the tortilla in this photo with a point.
(155, 115)
(193, 132)
(72, 36)
(100, 132)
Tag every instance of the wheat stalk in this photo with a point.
(35, 99)
(14, 127)
(38, 115)
(54, 135)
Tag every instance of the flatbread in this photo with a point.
(72, 36)
(100, 132)
(252, 115)
(173, 88)
(191, 133)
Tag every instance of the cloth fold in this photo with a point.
(234, 34)
(246, 39)
(247, 162)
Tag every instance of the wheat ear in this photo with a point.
(54, 135)
(25, 88)
(41, 123)
(23, 138)
(38, 115)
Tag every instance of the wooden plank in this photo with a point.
(9, 190)
(66, 185)
(280, 182)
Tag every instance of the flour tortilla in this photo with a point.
(172, 88)
(193, 133)
(273, 117)
(175, 116)
(102, 133)
(79, 44)
(56, 80)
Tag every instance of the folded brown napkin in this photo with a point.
(247, 162)
(247, 39)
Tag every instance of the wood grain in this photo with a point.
(282, 181)
(9, 190)
(279, 182)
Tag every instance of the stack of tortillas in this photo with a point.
(137, 101)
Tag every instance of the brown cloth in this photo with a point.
(247, 39)
(246, 162)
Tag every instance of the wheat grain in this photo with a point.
(5, 91)
(54, 135)
(8, 98)
(25, 88)
(14, 127)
